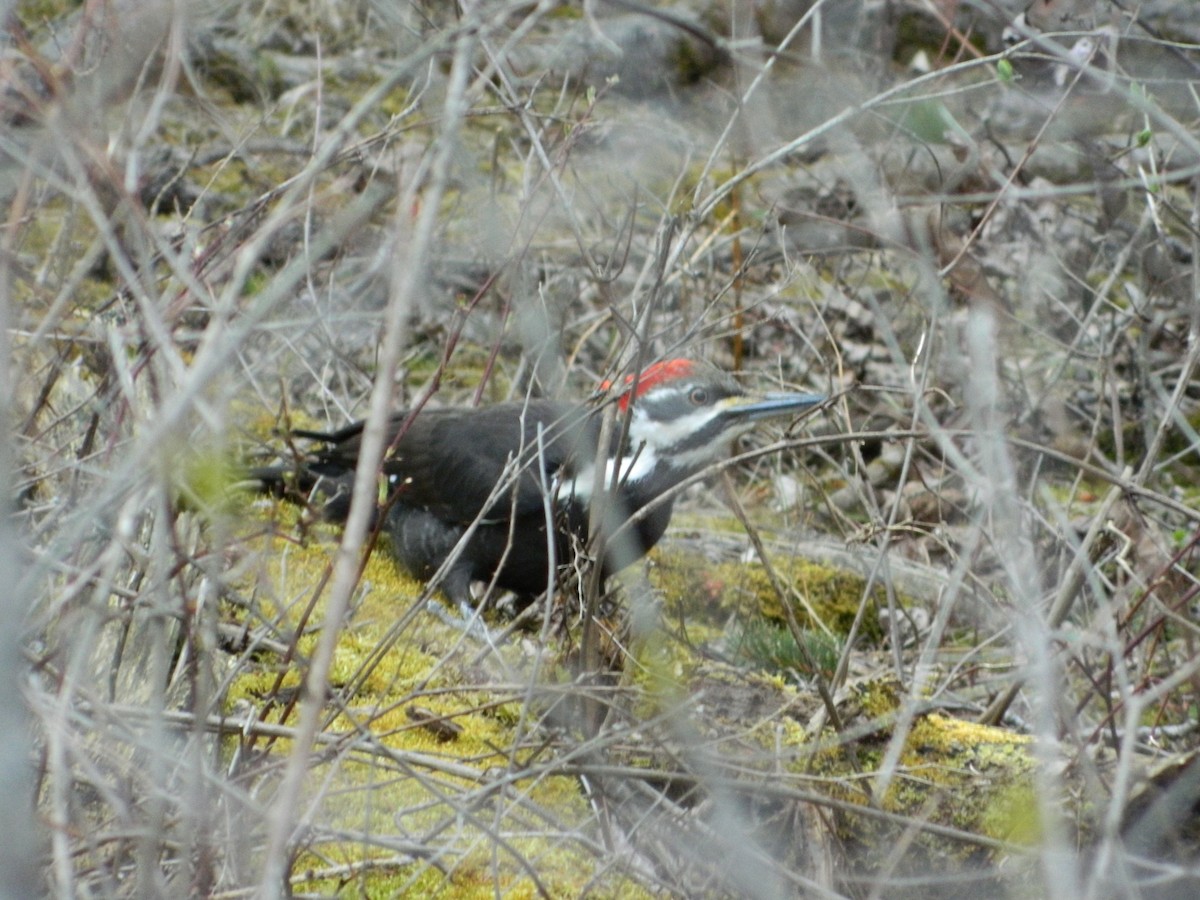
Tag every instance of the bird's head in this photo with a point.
(684, 414)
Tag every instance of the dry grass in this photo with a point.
(223, 224)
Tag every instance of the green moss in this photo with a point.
(659, 669)
(878, 697)
(205, 480)
(34, 13)
(973, 777)
(1012, 814)
(58, 237)
(694, 586)
(355, 791)
(949, 772)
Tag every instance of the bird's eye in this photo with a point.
(698, 396)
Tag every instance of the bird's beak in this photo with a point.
(752, 409)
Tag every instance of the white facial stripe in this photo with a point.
(680, 444)
(643, 429)
(580, 486)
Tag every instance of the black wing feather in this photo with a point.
(446, 459)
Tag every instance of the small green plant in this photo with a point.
(766, 644)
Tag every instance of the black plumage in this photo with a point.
(493, 468)
(516, 478)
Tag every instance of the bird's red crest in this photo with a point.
(651, 377)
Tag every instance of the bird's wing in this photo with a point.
(491, 460)
(448, 461)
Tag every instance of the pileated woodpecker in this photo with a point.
(511, 475)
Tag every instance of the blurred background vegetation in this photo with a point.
(944, 645)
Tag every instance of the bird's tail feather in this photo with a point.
(306, 486)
